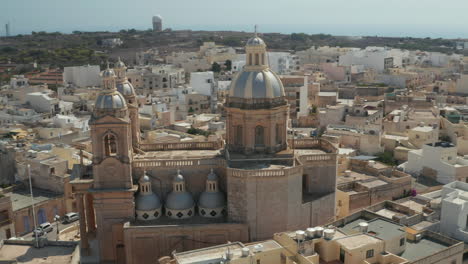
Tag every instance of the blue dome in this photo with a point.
(212, 200)
(179, 201)
(125, 88)
(108, 73)
(256, 84)
(112, 100)
(147, 202)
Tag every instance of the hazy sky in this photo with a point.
(433, 18)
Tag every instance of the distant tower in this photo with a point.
(157, 23)
(7, 29)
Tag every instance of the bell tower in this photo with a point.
(112, 189)
(127, 90)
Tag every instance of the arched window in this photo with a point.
(263, 58)
(238, 135)
(278, 134)
(250, 59)
(259, 136)
(256, 59)
(110, 145)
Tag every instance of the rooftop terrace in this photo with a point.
(424, 247)
(378, 227)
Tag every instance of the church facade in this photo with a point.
(140, 201)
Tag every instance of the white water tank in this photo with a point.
(300, 235)
(328, 233)
(310, 232)
(347, 173)
(371, 163)
(229, 255)
(319, 231)
(258, 248)
(363, 226)
(245, 252)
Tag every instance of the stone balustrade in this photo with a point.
(281, 172)
(312, 143)
(318, 158)
(210, 145)
(143, 163)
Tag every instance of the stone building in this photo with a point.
(144, 200)
(363, 237)
(366, 183)
(7, 227)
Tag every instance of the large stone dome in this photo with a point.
(125, 88)
(110, 101)
(262, 84)
(255, 41)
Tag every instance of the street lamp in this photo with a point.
(56, 219)
(33, 209)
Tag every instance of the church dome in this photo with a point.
(148, 206)
(110, 101)
(119, 64)
(125, 88)
(179, 201)
(108, 73)
(258, 84)
(212, 200)
(147, 202)
(255, 41)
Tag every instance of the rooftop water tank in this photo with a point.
(300, 235)
(328, 233)
(310, 232)
(363, 226)
(319, 231)
(245, 252)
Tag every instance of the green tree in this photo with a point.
(228, 65)
(216, 67)
(387, 158)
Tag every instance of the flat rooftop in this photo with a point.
(378, 227)
(21, 198)
(354, 176)
(357, 241)
(373, 184)
(29, 254)
(215, 254)
(414, 205)
(388, 213)
(423, 248)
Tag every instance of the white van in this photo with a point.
(70, 217)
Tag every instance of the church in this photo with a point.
(139, 202)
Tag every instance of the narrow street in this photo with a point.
(53, 234)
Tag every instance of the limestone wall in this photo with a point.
(145, 244)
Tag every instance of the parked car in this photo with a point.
(38, 231)
(70, 217)
(46, 227)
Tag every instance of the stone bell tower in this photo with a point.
(126, 89)
(112, 188)
(257, 109)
